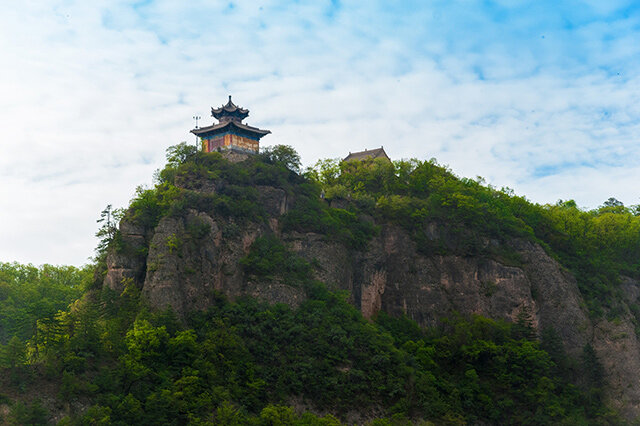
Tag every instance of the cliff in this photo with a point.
(185, 257)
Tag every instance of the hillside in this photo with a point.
(241, 291)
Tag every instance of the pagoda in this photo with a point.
(230, 133)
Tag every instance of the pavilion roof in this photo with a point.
(371, 153)
(229, 111)
(218, 128)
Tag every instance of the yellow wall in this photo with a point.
(232, 140)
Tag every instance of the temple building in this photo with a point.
(363, 155)
(230, 133)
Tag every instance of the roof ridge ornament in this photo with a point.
(229, 112)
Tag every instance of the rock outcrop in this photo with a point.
(190, 258)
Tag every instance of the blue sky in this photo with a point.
(542, 97)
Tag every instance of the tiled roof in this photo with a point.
(220, 126)
(372, 153)
(229, 109)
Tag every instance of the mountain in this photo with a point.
(410, 239)
(239, 289)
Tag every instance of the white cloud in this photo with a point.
(538, 97)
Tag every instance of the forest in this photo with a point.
(76, 352)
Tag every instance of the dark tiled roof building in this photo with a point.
(363, 155)
(230, 133)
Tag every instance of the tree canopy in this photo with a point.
(246, 362)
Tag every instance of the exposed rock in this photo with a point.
(559, 302)
(617, 345)
(630, 289)
(429, 288)
(121, 268)
(128, 262)
(183, 270)
(618, 349)
(234, 156)
(371, 298)
(275, 292)
(334, 261)
(205, 186)
(274, 200)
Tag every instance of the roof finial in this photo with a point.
(229, 98)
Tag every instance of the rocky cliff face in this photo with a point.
(190, 258)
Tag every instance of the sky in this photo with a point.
(541, 96)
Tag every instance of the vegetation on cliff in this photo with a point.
(29, 294)
(598, 246)
(246, 362)
(111, 359)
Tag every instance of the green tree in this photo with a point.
(227, 414)
(13, 354)
(34, 293)
(284, 155)
(273, 415)
(612, 202)
(180, 154)
(33, 414)
(146, 351)
(97, 415)
(109, 218)
(593, 377)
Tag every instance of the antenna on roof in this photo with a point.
(196, 117)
